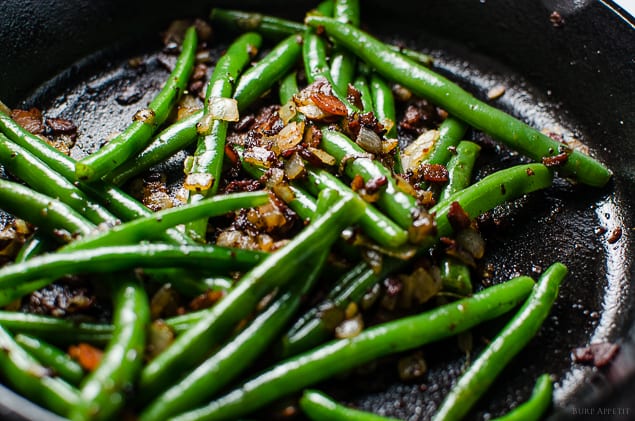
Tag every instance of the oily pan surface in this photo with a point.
(564, 224)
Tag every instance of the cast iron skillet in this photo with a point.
(580, 75)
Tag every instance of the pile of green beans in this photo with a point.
(355, 219)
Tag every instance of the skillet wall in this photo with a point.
(588, 64)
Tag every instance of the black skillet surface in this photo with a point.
(580, 75)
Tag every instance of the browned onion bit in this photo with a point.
(557, 160)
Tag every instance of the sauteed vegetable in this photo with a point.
(329, 217)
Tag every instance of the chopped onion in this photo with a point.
(259, 156)
(313, 112)
(290, 136)
(350, 328)
(164, 302)
(204, 125)
(294, 167)
(188, 105)
(412, 367)
(288, 111)
(414, 154)
(145, 115)
(4, 108)
(323, 156)
(198, 182)
(368, 140)
(389, 145)
(225, 109)
(284, 192)
(472, 242)
(160, 337)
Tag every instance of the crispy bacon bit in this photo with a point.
(616, 234)
(554, 161)
(242, 186)
(530, 172)
(205, 300)
(419, 116)
(556, 19)
(245, 123)
(459, 219)
(598, 354)
(86, 355)
(373, 186)
(434, 173)
(313, 136)
(329, 103)
(31, 120)
(354, 96)
(61, 125)
(60, 300)
(200, 71)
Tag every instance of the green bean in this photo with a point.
(275, 271)
(320, 407)
(374, 223)
(441, 91)
(340, 355)
(384, 105)
(118, 202)
(451, 131)
(47, 213)
(54, 358)
(342, 62)
(150, 227)
(271, 68)
(54, 329)
(276, 28)
(136, 136)
(235, 356)
(25, 166)
(31, 379)
(456, 276)
(288, 87)
(204, 172)
(102, 392)
(172, 139)
(536, 406)
(270, 26)
(480, 197)
(497, 188)
(401, 207)
(109, 259)
(361, 84)
(460, 168)
(325, 8)
(514, 336)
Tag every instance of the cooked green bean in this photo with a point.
(288, 87)
(35, 245)
(204, 171)
(102, 392)
(172, 139)
(136, 136)
(460, 168)
(53, 216)
(320, 407)
(271, 68)
(277, 270)
(342, 62)
(28, 168)
(55, 329)
(456, 276)
(451, 131)
(361, 84)
(441, 91)
(340, 355)
(51, 357)
(514, 336)
(384, 105)
(109, 259)
(31, 379)
(536, 406)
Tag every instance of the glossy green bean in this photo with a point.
(384, 105)
(460, 168)
(54, 329)
(271, 68)
(511, 340)
(51, 215)
(441, 91)
(340, 355)
(451, 131)
(343, 63)
(325, 8)
(52, 357)
(534, 408)
(277, 270)
(103, 391)
(361, 84)
(288, 87)
(207, 162)
(109, 259)
(320, 407)
(24, 374)
(35, 173)
(374, 223)
(399, 206)
(455, 276)
(171, 140)
(136, 136)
